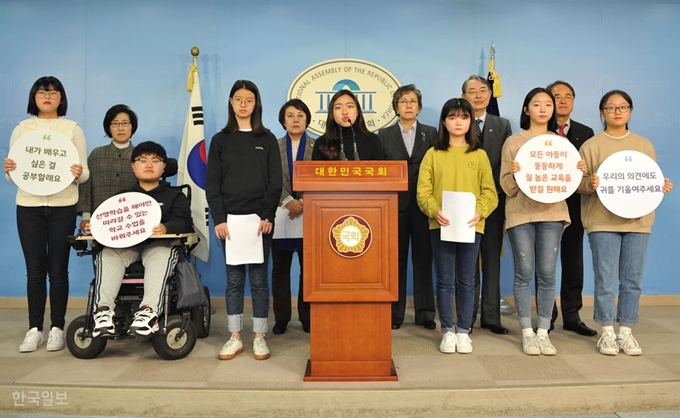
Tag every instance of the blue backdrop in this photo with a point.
(138, 53)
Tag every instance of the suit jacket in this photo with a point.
(577, 135)
(395, 149)
(496, 131)
(287, 189)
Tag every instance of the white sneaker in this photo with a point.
(260, 349)
(530, 345)
(55, 340)
(231, 349)
(32, 341)
(103, 323)
(463, 343)
(608, 344)
(448, 344)
(145, 322)
(628, 343)
(545, 346)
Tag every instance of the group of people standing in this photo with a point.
(456, 156)
(250, 172)
(45, 222)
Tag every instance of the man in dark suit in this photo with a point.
(492, 131)
(408, 140)
(571, 251)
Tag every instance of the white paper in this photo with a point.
(459, 208)
(284, 227)
(244, 245)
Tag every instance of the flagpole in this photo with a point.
(192, 164)
(193, 68)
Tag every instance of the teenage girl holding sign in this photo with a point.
(618, 244)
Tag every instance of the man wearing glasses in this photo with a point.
(408, 140)
(492, 132)
(571, 252)
(159, 256)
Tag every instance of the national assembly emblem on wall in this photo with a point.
(373, 85)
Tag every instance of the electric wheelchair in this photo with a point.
(178, 328)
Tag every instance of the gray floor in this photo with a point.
(653, 414)
(497, 379)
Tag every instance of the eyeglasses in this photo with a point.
(404, 102)
(473, 92)
(146, 161)
(240, 100)
(123, 124)
(52, 94)
(567, 97)
(613, 109)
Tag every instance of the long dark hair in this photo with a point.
(255, 117)
(331, 148)
(525, 121)
(609, 94)
(457, 107)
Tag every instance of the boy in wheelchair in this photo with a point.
(159, 256)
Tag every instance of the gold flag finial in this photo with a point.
(493, 75)
(193, 68)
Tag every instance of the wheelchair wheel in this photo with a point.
(168, 346)
(200, 316)
(83, 347)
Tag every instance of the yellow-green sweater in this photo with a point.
(455, 170)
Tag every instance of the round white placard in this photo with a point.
(125, 220)
(548, 172)
(631, 184)
(44, 159)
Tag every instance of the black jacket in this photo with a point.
(175, 209)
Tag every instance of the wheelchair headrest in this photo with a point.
(170, 168)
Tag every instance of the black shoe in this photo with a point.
(429, 324)
(552, 326)
(280, 327)
(396, 325)
(496, 328)
(305, 326)
(580, 328)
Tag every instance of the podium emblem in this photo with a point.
(350, 236)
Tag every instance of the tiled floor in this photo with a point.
(496, 379)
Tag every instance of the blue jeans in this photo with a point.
(455, 262)
(618, 255)
(535, 245)
(259, 289)
(42, 233)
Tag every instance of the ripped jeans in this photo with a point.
(535, 244)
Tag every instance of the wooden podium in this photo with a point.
(351, 265)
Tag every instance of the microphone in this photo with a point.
(354, 141)
(423, 133)
(342, 145)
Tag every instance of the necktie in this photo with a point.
(479, 128)
(560, 131)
